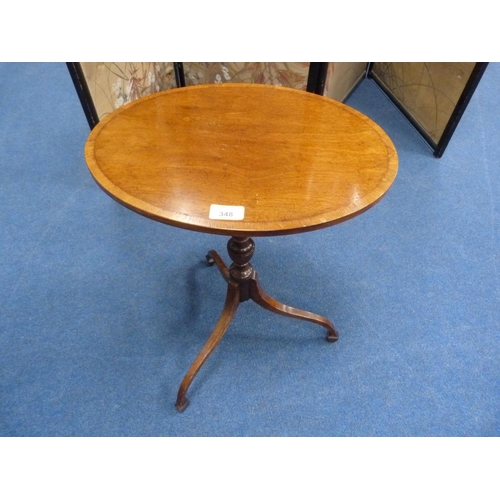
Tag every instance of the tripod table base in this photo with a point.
(242, 284)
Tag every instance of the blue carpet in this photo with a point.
(102, 311)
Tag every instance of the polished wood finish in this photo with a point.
(230, 306)
(296, 161)
(243, 285)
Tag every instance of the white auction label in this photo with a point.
(226, 212)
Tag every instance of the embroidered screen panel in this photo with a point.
(113, 84)
(286, 74)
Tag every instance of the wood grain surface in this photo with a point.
(296, 161)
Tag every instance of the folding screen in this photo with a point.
(103, 87)
(433, 96)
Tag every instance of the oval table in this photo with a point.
(242, 160)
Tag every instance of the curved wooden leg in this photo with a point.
(232, 302)
(258, 295)
(214, 258)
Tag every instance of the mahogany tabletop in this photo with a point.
(295, 161)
